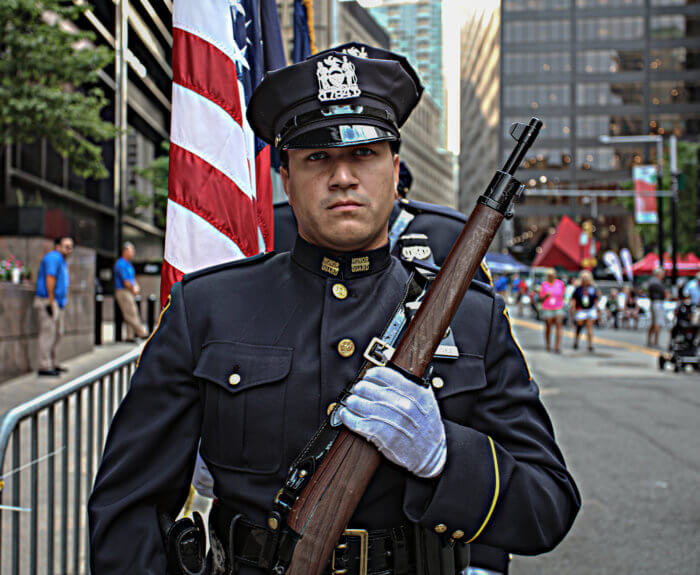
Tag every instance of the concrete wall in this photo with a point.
(19, 326)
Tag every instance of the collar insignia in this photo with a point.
(336, 79)
(359, 264)
(330, 266)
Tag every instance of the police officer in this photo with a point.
(249, 355)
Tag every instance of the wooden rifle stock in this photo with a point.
(328, 501)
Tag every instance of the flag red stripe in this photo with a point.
(204, 190)
(169, 275)
(263, 201)
(205, 69)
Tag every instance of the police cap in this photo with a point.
(348, 95)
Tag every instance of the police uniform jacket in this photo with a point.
(247, 357)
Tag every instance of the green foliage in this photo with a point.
(157, 174)
(46, 62)
(686, 206)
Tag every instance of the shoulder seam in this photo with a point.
(226, 265)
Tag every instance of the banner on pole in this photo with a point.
(612, 262)
(626, 258)
(645, 180)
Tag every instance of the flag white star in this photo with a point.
(237, 7)
(239, 56)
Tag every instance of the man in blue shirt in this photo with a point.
(125, 290)
(50, 300)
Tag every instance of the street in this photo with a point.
(629, 433)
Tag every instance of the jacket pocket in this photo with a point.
(456, 384)
(244, 404)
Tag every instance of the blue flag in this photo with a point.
(302, 38)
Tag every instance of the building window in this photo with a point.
(609, 61)
(537, 63)
(537, 31)
(674, 26)
(674, 92)
(593, 126)
(536, 96)
(608, 3)
(611, 29)
(676, 59)
(609, 94)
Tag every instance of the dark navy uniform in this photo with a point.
(440, 225)
(249, 355)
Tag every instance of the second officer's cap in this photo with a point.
(348, 95)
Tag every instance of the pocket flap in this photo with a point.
(467, 373)
(240, 366)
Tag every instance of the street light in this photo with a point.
(659, 141)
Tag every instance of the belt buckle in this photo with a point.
(378, 352)
(363, 534)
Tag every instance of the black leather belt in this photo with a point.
(358, 552)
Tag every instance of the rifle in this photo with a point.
(322, 511)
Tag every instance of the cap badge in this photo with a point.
(336, 79)
(357, 52)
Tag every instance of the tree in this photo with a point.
(686, 206)
(48, 72)
(156, 173)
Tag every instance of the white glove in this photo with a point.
(401, 418)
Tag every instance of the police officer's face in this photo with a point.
(342, 197)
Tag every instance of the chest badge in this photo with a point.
(337, 79)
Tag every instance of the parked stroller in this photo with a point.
(684, 348)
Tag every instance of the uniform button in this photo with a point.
(330, 408)
(438, 382)
(458, 534)
(340, 291)
(346, 347)
(440, 528)
(234, 379)
(272, 523)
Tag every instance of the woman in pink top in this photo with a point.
(552, 296)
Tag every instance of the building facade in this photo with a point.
(590, 68)
(479, 111)
(102, 213)
(415, 27)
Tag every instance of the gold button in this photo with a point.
(438, 382)
(440, 528)
(234, 379)
(272, 523)
(330, 408)
(346, 347)
(458, 534)
(340, 291)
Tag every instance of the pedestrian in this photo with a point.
(50, 299)
(631, 307)
(248, 357)
(501, 285)
(691, 289)
(125, 291)
(552, 295)
(612, 307)
(584, 307)
(657, 295)
(523, 290)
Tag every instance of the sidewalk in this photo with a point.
(16, 391)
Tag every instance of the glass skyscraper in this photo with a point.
(415, 27)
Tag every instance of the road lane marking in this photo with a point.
(599, 340)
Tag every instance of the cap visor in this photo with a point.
(340, 135)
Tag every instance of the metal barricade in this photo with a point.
(47, 478)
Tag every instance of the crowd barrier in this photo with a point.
(50, 448)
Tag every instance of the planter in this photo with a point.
(22, 221)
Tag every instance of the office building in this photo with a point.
(589, 68)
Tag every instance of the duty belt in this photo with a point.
(236, 541)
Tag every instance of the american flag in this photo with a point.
(219, 185)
